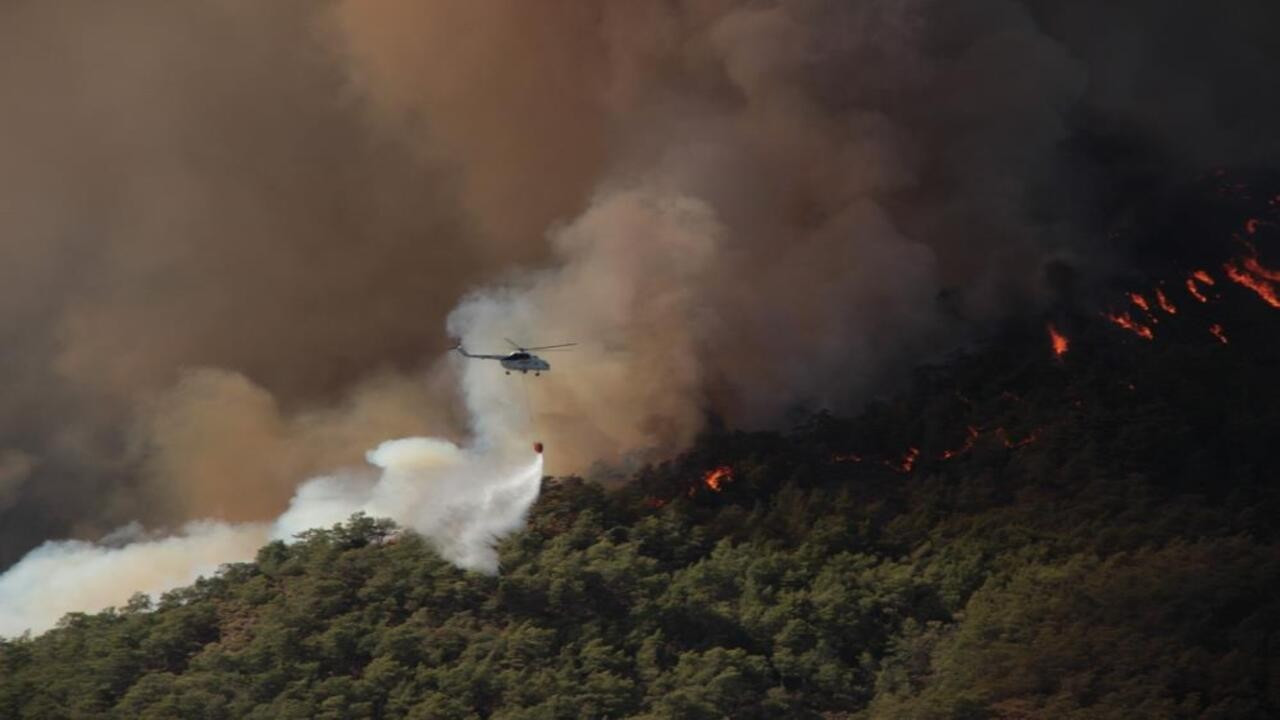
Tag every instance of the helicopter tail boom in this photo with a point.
(464, 353)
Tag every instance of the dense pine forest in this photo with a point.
(1021, 535)
(1076, 519)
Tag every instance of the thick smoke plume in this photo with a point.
(459, 502)
(232, 232)
(67, 576)
(462, 500)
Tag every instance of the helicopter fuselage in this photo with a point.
(524, 362)
(521, 360)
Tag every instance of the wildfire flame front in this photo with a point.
(716, 478)
(1126, 321)
(907, 463)
(1059, 341)
(1259, 285)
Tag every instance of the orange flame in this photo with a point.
(1128, 323)
(715, 479)
(1202, 276)
(1216, 329)
(1260, 286)
(1195, 291)
(907, 463)
(1140, 301)
(966, 447)
(1059, 341)
(1252, 265)
(1164, 302)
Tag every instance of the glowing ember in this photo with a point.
(715, 479)
(1216, 329)
(847, 457)
(1127, 322)
(1252, 265)
(907, 463)
(1260, 286)
(1164, 302)
(1058, 340)
(1251, 226)
(1195, 292)
(966, 447)
(1140, 301)
(655, 503)
(1202, 276)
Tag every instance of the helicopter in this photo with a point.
(522, 360)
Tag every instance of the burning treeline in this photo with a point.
(719, 478)
(1194, 297)
(1188, 305)
(1245, 270)
(709, 483)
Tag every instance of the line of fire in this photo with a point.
(1200, 301)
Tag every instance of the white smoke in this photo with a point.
(461, 499)
(628, 286)
(66, 576)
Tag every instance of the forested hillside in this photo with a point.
(1020, 535)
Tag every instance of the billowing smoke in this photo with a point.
(461, 500)
(232, 232)
(75, 576)
(461, 503)
(628, 292)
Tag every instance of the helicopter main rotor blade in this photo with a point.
(513, 344)
(551, 347)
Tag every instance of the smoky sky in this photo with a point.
(232, 233)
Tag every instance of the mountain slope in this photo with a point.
(1100, 544)
(1021, 534)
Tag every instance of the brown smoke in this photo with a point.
(231, 231)
(195, 185)
(216, 445)
(505, 92)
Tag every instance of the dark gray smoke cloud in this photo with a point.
(231, 231)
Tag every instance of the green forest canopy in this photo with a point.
(1015, 537)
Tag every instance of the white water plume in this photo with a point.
(459, 499)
